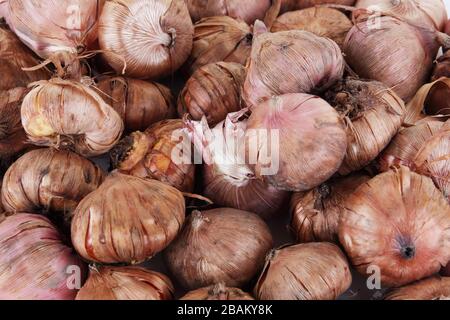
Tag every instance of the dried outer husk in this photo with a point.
(373, 115)
(13, 138)
(49, 180)
(35, 264)
(127, 220)
(219, 39)
(145, 38)
(309, 141)
(13, 57)
(162, 152)
(217, 292)
(369, 52)
(322, 21)
(442, 67)
(295, 61)
(139, 103)
(228, 179)
(213, 91)
(432, 98)
(435, 288)
(248, 10)
(309, 271)
(400, 222)
(404, 148)
(424, 13)
(219, 246)
(69, 114)
(48, 26)
(315, 213)
(125, 283)
(425, 148)
(433, 159)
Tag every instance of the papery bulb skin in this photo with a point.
(433, 160)
(228, 179)
(248, 10)
(213, 91)
(316, 213)
(13, 138)
(290, 5)
(125, 283)
(400, 222)
(425, 149)
(218, 39)
(155, 154)
(14, 56)
(311, 142)
(219, 246)
(48, 27)
(217, 292)
(407, 143)
(145, 38)
(431, 99)
(310, 271)
(127, 220)
(435, 288)
(424, 13)
(34, 262)
(70, 115)
(294, 61)
(442, 67)
(369, 53)
(49, 180)
(322, 21)
(139, 103)
(373, 114)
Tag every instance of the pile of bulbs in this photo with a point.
(91, 188)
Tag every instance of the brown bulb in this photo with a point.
(139, 103)
(322, 21)
(219, 39)
(311, 271)
(153, 154)
(213, 91)
(127, 220)
(14, 56)
(217, 292)
(49, 180)
(316, 213)
(13, 138)
(373, 114)
(219, 246)
(125, 283)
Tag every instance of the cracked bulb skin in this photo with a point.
(400, 222)
(145, 38)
